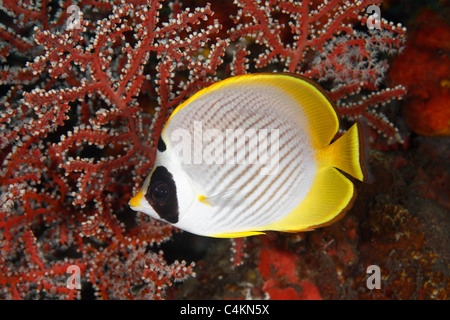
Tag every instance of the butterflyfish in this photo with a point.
(250, 154)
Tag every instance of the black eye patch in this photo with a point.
(161, 145)
(162, 194)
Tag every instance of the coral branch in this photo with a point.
(82, 110)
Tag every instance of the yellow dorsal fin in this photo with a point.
(322, 118)
(345, 154)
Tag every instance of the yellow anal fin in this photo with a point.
(346, 154)
(237, 234)
(331, 194)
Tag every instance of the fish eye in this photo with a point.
(161, 192)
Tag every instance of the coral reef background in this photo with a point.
(81, 109)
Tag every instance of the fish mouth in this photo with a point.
(135, 202)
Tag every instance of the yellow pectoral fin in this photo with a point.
(202, 199)
(331, 194)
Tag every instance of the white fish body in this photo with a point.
(249, 154)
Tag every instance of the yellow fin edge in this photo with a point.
(212, 87)
(330, 195)
(237, 234)
(322, 118)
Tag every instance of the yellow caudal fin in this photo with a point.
(330, 196)
(346, 154)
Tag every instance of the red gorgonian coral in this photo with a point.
(85, 92)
